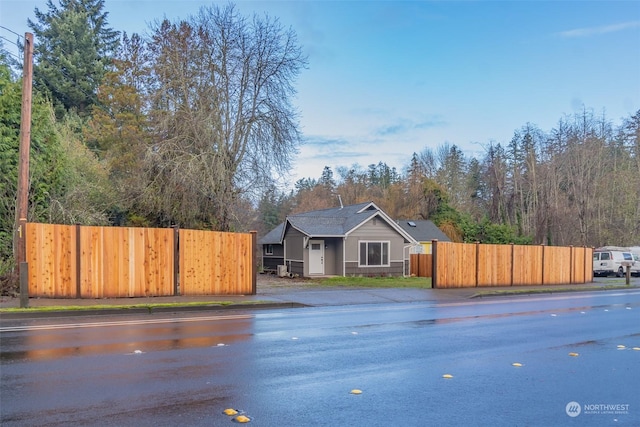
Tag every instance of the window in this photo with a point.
(268, 250)
(374, 254)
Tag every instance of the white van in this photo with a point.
(609, 261)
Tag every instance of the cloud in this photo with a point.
(604, 29)
(323, 142)
(406, 125)
(338, 155)
(395, 129)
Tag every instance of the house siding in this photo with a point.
(294, 246)
(397, 268)
(296, 268)
(339, 257)
(271, 262)
(333, 256)
(375, 230)
(294, 253)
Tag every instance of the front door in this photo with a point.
(316, 257)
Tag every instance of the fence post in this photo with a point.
(78, 261)
(434, 263)
(254, 265)
(176, 260)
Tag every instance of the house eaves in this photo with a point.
(339, 222)
(380, 213)
(274, 237)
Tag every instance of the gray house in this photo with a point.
(355, 240)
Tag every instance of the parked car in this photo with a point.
(610, 261)
(635, 268)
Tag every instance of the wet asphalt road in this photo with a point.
(297, 367)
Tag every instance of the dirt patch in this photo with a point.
(272, 283)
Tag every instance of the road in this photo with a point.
(297, 367)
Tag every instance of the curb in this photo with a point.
(144, 310)
(549, 291)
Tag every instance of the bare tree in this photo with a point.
(221, 113)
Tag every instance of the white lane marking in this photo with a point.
(121, 323)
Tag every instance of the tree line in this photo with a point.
(576, 184)
(193, 125)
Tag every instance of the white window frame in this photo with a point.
(382, 243)
(268, 250)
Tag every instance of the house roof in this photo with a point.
(423, 230)
(274, 237)
(332, 222)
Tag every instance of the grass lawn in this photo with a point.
(149, 307)
(378, 282)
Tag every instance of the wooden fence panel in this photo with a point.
(483, 265)
(527, 265)
(126, 262)
(557, 265)
(455, 265)
(494, 265)
(577, 265)
(108, 262)
(582, 265)
(50, 252)
(588, 265)
(421, 265)
(215, 263)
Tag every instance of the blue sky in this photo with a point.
(389, 78)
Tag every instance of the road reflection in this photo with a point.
(60, 341)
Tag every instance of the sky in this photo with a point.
(390, 78)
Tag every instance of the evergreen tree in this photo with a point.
(326, 180)
(73, 50)
(46, 161)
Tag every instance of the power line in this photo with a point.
(11, 31)
(17, 43)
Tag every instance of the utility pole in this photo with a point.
(22, 199)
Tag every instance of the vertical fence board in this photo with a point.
(557, 265)
(50, 252)
(494, 265)
(125, 262)
(581, 264)
(215, 263)
(420, 265)
(456, 265)
(527, 265)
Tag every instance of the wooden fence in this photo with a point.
(421, 265)
(109, 262)
(216, 263)
(461, 265)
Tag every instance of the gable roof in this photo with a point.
(274, 237)
(423, 230)
(332, 222)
